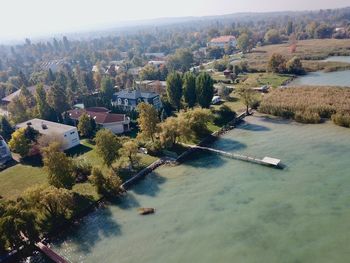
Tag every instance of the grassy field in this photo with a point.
(261, 79)
(15, 179)
(316, 49)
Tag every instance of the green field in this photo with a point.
(15, 179)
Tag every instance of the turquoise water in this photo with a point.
(214, 209)
(338, 59)
(320, 78)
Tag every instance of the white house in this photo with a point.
(65, 133)
(223, 41)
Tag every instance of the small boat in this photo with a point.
(146, 211)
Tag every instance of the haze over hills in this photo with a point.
(130, 26)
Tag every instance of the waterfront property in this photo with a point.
(67, 135)
(223, 41)
(129, 99)
(117, 123)
(211, 209)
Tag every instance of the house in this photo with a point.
(156, 63)
(216, 100)
(159, 55)
(15, 94)
(66, 134)
(129, 99)
(5, 153)
(156, 86)
(117, 123)
(223, 41)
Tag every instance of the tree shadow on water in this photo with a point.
(229, 145)
(126, 201)
(205, 159)
(252, 127)
(149, 185)
(97, 226)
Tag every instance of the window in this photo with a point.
(72, 132)
(126, 102)
(119, 101)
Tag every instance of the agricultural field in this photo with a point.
(316, 49)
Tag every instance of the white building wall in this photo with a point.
(71, 139)
(116, 127)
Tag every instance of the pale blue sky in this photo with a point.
(28, 18)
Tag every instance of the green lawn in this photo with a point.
(261, 79)
(14, 180)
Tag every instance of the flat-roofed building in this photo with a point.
(65, 134)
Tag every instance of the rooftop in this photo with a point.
(99, 114)
(15, 94)
(46, 127)
(223, 39)
(135, 94)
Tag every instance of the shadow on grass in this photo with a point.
(35, 161)
(78, 150)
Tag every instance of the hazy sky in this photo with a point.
(28, 18)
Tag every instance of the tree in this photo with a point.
(204, 89)
(108, 185)
(243, 42)
(107, 146)
(289, 28)
(277, 63)
(174, 89)
(57, 99)
(247, 96)
(18, 111)
(182, 60)
(19, 143)
(324, 31)
(294, 66)
(107, 89)
(43, 109)
(189, 89)
(84, 126)
(59, 167)
(54, 203)
(16, 220)
(147, 120)
(149, 72)
(215, 52)
(197, 120)
(272, 37)
(172, 129)
(6, 129)
(129, 151)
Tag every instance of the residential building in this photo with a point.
(117, 123)
(5, 153)
(223, 41)
(129, 99)
(158, 55)
(67, 135)
(15, 94)
(156, 86)
(156, 63)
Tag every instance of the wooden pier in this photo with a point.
(266, 161)
(50, 253)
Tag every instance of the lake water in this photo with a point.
(345, 59)
(321, 78)
(214, 209)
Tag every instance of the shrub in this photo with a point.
(307, 117)
(341, 119)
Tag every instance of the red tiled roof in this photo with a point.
(223, 39)
(100, 117)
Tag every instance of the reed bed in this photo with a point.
(309, 104)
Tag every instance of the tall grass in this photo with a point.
(309, 104)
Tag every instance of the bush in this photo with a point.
(307, 117)
(81, 169)
(341, 119)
